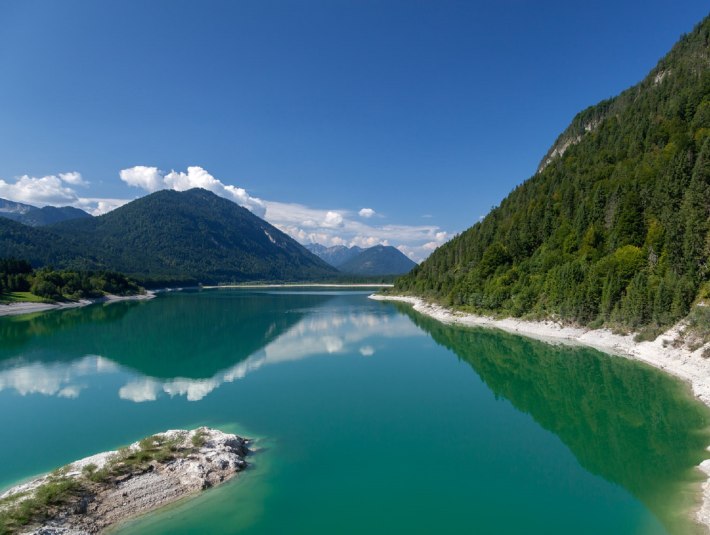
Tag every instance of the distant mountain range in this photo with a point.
(181, 237)
(38, 217)
(192, 236)
(335, 255)
(375, 261)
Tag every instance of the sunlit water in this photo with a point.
(368, 417)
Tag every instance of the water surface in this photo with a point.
(370, 418)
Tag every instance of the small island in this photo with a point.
(95, 493)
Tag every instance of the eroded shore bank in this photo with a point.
(681, 362)
(95, 493)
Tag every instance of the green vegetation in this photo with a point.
(153, 449)
(20, 509)
(199, 438)
(25, 508)
(19, 282)
(169, 238)
(616, 230)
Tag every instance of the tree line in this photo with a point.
(19, 276)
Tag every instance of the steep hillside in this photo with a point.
(37, 217)
(614, 226)
(378, 260)
(191, 235)
(40, 247)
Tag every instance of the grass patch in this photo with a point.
(699, 324)
(649, 333)
(22, 297)
(58, 490)
(199, 438)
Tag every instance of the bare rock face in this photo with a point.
(115, 487)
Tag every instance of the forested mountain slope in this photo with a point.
(192, 236)
(37, 217)
(614, 226)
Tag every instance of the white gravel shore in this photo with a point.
(15, 309)
(690, 366)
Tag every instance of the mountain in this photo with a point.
(39, 247)
(378, 260)
(190, 235)
(38, 217)
(614, 227)
(335, 255)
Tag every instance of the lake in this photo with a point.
(367, 417)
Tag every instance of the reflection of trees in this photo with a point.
(168, 337)
(628, 423)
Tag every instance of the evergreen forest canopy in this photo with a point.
(614, 227)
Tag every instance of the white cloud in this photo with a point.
(56, 190)
(100, 206)
(73, 178)
(41, 191)
(153, 179)
(301, 223)
(332, 220)
(367, 213)
(140, 176)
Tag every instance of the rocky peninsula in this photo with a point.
(95, 493)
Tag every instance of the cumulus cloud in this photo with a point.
(97, 206)
(56, 190)
(367, 213)
(332, 220)
(140, 176)
(42, 191)
(73, 178)
(153, 179)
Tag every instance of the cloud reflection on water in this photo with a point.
(55, 378)
(320, 334)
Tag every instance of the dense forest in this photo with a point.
(17, 279)
(614, 227)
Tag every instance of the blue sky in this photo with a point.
(427, 113)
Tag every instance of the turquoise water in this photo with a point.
(368, 417)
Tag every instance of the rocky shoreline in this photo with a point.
(106, 489)
(679, 361)
(16, 309)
